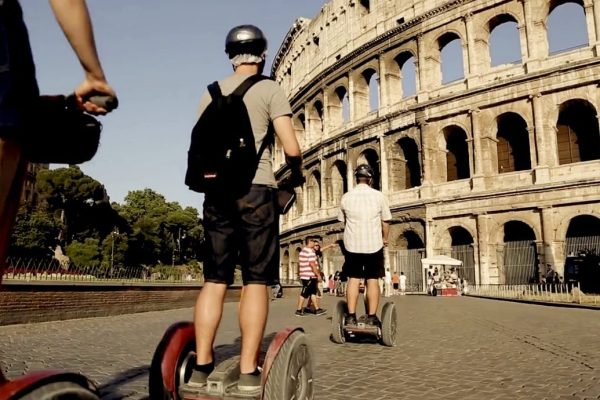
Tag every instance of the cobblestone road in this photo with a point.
(451, 348)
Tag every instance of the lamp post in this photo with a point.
(112, 250)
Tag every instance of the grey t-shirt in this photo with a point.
(265, 101)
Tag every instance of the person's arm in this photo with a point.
(385, 231)
(293, 157)
(74, 19)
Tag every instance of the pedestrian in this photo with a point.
(330, 285)
(402, 284)
(366, 215)
(19, 93)
(388, 283)
(244, 229)
(395, 282)
(310, 277)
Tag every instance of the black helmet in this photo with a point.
(364, 170)
(245, 39)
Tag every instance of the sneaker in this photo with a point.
(308, 310)
(320, 311)
(249, 382)
(299, 313)
(350, 320)
(373, 320)
(197, 379)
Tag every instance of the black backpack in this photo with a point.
(222, 158)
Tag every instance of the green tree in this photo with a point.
(85, 254)
(34, 234)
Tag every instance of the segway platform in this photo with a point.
(386, 333)
(287, 369)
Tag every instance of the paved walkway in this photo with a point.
(451, 348)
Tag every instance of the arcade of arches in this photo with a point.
(489, 158)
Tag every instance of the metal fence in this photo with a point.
(466, 254)
(49, 269)
(409, 262)
(520, 262)
(558, 293)
(577, 244)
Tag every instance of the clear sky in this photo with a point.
(159, 56)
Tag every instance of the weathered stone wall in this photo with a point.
(441, 154)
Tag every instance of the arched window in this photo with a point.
(408, 74)
(457, 154)
(577, 134)
(504, 43)
(339, 185)
(412, 172)
(372, 79)
(513, 143)
(564, 14)
(342, 95)
(314, 191)
(451, 58)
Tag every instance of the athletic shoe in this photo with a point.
(299, 313)
(350, 320)
(308, 310)
(320, 311)
(249, 383)
(373, 320)
(197, 379)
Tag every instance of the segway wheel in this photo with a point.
(337, 322)
(291, 374)
(172, 362)
(388, 324)
(61, 391)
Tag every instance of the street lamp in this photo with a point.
(112, 250)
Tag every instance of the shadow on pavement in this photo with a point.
(111, 389)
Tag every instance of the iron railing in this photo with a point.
(556, 293)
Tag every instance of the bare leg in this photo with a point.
(12, 171)
(372, 295)
(352, 294)
(254, 309)
(207, 317)
(300, 302)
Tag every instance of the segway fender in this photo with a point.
(273, 349)
(174, 340)
(15, 389)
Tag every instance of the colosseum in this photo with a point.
(495, 163)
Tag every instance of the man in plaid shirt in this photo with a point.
(366, 214)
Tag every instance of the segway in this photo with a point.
(287, 369)
(385, 334)
(83, 133)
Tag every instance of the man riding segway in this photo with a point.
(366, 215)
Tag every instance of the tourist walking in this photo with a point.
(402, 283)
(310, 277)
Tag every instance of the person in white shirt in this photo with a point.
(402, 283)
(388, 283)
(366, 214)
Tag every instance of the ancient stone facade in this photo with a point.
(29, 194)
(500, 168)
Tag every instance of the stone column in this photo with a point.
(351, 97)
(323, 183)
(596, 7)
(541, 172)
(524, 33)
(384, 82)
(422, 85)
(307, 127)
(471, 70)
(482, 273)
(590, 19)
(549, 245)
(428, 152)
(478, 153)
(383, 162)
(537, 44)
(349, 169)
(326, 120)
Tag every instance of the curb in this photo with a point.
(540, 303)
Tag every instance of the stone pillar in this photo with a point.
(484, 262)
(350, 170)
(307, 127)
(323, 183)
(421, 74)
(384, 85)
(471, 64)
(596, 45)
(541, 171)
(537, 43)
(478, 153)
(326, 120)
(524, 35)
(549, 245)
(383, 170)
(351, 97)
(428, 152)
(590, 19)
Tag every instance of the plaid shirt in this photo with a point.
(363, 209)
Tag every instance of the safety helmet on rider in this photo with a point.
(245, 39)
(364, 170)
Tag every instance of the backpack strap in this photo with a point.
(215, 91)
(247, 84)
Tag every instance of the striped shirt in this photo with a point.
(306, 257)
(362, 210)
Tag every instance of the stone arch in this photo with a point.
(371, 76)
(520, 263)
(410, 240)
(516, 230)
(338, 184)
(583, 252)
(451, 57)
(340, 106)
(371, 157)
(560, 11)
(405, 62)
(313, 189)
(300, 127)
(457, 153)
(577, 132)
(504, 41)
(315, 117)
(404, 164)
(512, 146)
(563, 227)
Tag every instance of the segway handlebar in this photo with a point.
(107, 102)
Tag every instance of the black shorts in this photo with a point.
(396, 286)
(364, 266)
(309, 287)
(242, 232)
